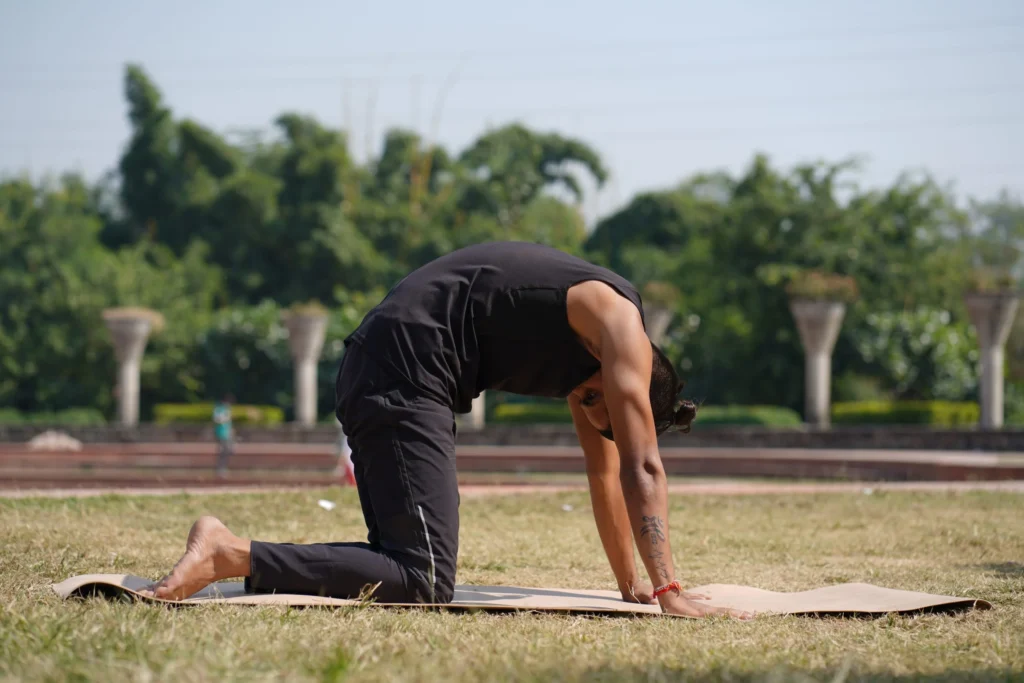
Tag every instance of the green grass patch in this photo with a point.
(966, 544)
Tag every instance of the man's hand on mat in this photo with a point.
(673, 603)
(639, 591)
(212, 553)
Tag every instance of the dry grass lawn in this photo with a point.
(968, 544)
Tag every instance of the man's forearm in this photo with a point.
(614, 528)
(646, 492)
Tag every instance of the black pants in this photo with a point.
(403, 454)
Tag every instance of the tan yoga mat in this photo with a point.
(846, 598)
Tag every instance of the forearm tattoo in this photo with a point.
(653, 529)
(659, 562)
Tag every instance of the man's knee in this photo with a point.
(444, 588)
(430, 587)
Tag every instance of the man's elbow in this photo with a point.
(641, 474)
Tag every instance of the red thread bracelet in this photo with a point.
(666, 588)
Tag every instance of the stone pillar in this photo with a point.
(658, 319)
(818, 323)
(992, 316)
(306, 333)
(130, 332)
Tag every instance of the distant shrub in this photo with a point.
(532, 413)
(198, 413)
(938, 413)
(71, 417)
(81, 417)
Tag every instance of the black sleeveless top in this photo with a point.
(489, 316)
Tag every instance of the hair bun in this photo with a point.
(684, 416)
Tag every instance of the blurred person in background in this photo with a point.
(344, 469)
(223, 431)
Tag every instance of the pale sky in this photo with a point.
(662, 90)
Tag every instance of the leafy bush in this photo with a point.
(854, 386)
(198, 413)
(532, 413)
(924, 354)
(939, 413)
(1013, 403)
(78, 417)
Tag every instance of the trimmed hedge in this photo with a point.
(77, 417)
(532, 413)
(767, 416)
(558, 413)
(198, 413)
(939, 413)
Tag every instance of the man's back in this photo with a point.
(489, 316)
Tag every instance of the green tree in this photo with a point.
(56, 277)
(148, 167)
(725, 242)
(998, 230)
(921, 354)
(510, 167)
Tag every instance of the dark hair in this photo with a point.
(670, 412)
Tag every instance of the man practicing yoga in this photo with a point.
(515, 317)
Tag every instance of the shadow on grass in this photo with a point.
(657, 674)
(1006, 569)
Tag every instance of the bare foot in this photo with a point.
(212, 553)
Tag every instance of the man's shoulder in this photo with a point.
(603, 297)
